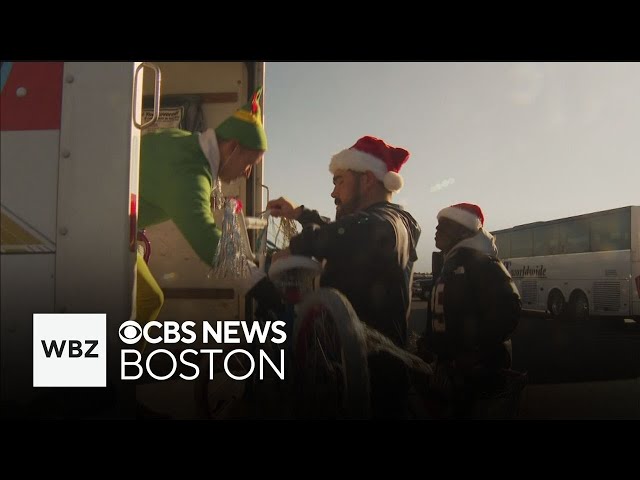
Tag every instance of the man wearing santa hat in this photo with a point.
(368, 253)
(474, 309)
(371, 247)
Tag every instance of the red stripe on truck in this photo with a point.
(31, 98)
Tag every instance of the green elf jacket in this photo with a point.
(176, 184)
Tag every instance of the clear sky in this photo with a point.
(525, 141)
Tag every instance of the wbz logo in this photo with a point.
(69, 350)
(74, 350)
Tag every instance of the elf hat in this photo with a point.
(466, 214)
(373, 155)
(245, 125)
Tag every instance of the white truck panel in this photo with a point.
(99, 157)
(29, 180)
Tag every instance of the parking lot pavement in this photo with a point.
(604, 400)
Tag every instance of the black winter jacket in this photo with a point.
(369, 258)
(474, 308)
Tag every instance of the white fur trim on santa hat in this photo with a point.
(358, 161)
(393, 182)
(463, 217)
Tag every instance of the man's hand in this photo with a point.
(282, 207)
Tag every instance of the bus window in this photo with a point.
(575, 236)
(546, 241)
(611, 232)
(521, 243)
(503, 242)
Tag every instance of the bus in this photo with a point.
(577, 267)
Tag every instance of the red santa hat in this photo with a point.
(466, 214)
(373, 155)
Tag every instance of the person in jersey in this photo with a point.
(474, 309)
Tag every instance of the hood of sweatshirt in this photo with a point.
(482, 241)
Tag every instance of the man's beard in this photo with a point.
(351, 206)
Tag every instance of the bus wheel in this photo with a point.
(556, 304)
(579, 306)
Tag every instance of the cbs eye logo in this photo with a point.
(130, 332)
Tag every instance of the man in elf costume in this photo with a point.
(178, 170)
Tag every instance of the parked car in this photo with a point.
(421, 287)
